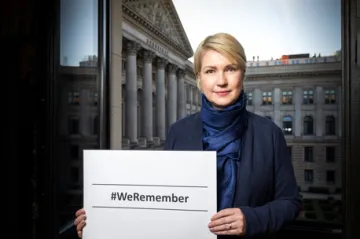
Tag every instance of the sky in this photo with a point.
(265, 28)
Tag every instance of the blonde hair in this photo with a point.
(226, 45)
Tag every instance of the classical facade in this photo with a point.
(303, 97)
(158, 88)
(158, 80)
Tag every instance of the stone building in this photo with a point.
(303, 97)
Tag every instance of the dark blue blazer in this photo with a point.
(266, 190)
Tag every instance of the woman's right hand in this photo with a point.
(80, 221)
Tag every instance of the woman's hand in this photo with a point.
(230, 221)
(80, 221)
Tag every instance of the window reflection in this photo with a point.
(78, 94)
(78, 26)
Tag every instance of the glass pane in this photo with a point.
(77, 95)
(78, 33)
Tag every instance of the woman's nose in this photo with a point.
(221, 79)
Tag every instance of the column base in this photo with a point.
(142, 143)
(127, 144)
(156, 141)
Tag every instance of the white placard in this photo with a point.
(149, 194)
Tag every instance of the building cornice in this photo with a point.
(291, 74)
(155, 30)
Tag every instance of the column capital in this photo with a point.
(132, 47)
(148, 56)
(173, 68)
(181, 73)
(161, 63)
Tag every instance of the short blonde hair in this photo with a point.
(226, 45)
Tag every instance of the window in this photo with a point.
(309, 175)
(267, 98)
(139, 71)
(287, 125)
(308, 154)
(188, 94)
(74, 151)
(249, 98)
(290, 151)
(74, 98)
(96, 125)
(74, 175)
(287, 97)
(330, 125)
(330, 176)
(308, 97)
(330, 97)
(308, 125)
(330, 154)
(123, 65)
(95, 98)
(79, 82)
(73, 126)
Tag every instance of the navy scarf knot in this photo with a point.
(222, 132)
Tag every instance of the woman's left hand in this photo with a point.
(230, 221)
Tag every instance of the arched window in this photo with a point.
(308, 125)
(287, 125)
(330, 125)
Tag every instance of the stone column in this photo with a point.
(277, 112)
(160, 98)
(147, 100)
(181, 105)
(115, 81)
(131, 91)
(172, 94)
(191, 92)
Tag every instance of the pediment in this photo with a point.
(162, 15)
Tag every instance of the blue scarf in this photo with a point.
(222, 132)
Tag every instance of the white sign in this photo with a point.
(149, 194)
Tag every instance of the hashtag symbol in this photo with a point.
(113, 196)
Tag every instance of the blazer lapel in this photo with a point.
(195, 134)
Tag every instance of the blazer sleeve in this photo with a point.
(286, 205)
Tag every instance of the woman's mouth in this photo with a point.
(222, 93)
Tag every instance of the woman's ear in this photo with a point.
(198, 84)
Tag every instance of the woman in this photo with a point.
(257, 190)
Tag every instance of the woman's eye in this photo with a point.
(209, 71)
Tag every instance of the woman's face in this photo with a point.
(220, 80)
